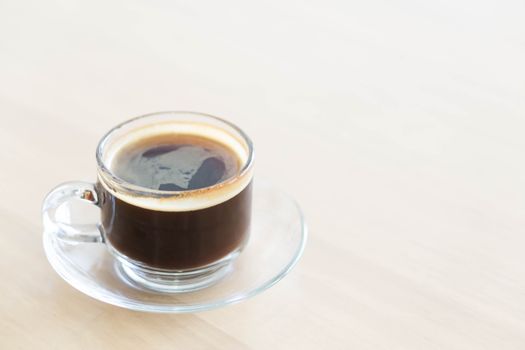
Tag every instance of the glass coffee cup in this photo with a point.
(174, 192)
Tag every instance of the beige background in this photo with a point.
(398, 125)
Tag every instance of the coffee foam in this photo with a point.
(184, 200)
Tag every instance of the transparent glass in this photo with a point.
(78, 247)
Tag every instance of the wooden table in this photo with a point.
(398, 126)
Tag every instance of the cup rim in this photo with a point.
(141, 190)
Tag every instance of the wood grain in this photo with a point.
(398, 126)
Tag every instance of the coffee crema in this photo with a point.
(209, 143)
(201, 223)
(175, 162)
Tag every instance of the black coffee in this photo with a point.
(176, 239)
(175, 162)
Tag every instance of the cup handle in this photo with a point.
(71, 232)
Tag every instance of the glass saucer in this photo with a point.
(277, 240)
